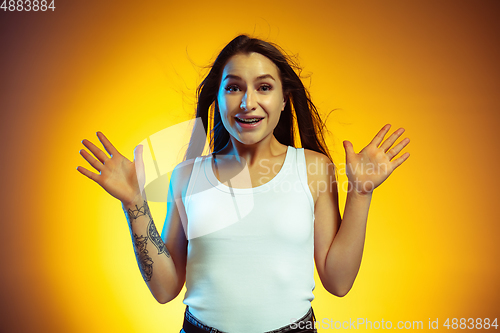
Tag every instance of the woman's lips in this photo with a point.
(243, 124)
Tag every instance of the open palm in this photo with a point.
(120, 177)
(373, 164)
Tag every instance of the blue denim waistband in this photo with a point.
(193, 325)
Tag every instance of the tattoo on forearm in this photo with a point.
(141, 252)
(139, 211)
(143, 258)
(156, 239)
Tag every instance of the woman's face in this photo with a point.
(250, 97)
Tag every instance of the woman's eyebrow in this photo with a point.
(265, 76)
(236, 77)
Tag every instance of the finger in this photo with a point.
(138, 155)
(139, 167)
(92, 161)
(380, 135)
(390, 140)
(87, 173)
(394, 151)
(101, 156)
(138, 161)
(397, 162)
(107, 144)
(349, 148)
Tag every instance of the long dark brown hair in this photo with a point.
(299, 104)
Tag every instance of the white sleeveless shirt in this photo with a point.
(250, 256)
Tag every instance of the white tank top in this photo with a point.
(250, 256)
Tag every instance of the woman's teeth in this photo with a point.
(250, 120)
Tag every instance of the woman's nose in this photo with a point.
(248, 102)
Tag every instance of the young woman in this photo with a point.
(246, 224)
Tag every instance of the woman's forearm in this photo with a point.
(154, 260)
(344, 258)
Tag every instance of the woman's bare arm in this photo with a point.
(162, 270)
(339, 243)
(162, 261)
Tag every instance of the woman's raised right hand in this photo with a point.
(121, 178)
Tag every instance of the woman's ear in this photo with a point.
(285, 99)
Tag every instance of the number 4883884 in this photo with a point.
(27, 5)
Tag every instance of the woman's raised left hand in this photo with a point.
(374, 163)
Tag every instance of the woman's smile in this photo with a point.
(248, 122)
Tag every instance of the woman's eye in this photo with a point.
(265, 87)
(232, 88)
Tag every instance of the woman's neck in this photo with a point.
(252, 154)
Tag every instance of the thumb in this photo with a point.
(138, 154)
(139, 168)
(349, 148)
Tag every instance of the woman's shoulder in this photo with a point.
(313, 156)
(179, 178)
(320, 172)
(318, 164)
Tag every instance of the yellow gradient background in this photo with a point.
(130, 69)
